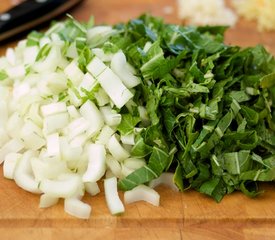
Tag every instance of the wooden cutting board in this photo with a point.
(188, 215)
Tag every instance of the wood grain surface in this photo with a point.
(188, 215)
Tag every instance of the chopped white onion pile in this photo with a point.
(56, 140)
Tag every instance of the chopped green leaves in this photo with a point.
(212, 102)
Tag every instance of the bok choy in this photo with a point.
(136, 104)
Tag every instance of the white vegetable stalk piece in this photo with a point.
(111, 196)
(74, 99)
(73, 112)
(77, 208)
(14, 145)
(115, 148)
(64, 188)
(47, 201)
(102, 55)
(104, 135)
(87, 84)
(110, 82)
(142, 193)
(96, 165)
(134, 163)
(99, 34)
(53, 147)
(74, 73)
(55, 123)
(114, 166)
(92, 188)
(69, 153)
(91, 113)
(4, 113)
(111, 117)
(53, 108)
(77, 127)
(10, 162)
(165, 179)
(121, 68)
(32, 136)
(50, 63)
(4, 137)
(47, 168)
(23, 175)
(128, 139)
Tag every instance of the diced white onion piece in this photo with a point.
(134, 163)
(73, 112)
(91, 113)
(128, 139)
(74, 73)
(87, 84)
(111, 117)
(119, 66)
(64, 188)
(53, 108)
(55, 122)
(96, 165)
(53, 147)
(104, 135)
(142, 193)
(111, 196)
(14, 145)
(110, 82)
(10, 162)
(77, 208)
(114, 166)
(23, 175)
(165, 179)
(47, 201)
(115, 148)
(92, 188)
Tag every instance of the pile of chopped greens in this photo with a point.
(195, 106)
(210, 107)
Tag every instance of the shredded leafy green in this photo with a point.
(214, 102)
